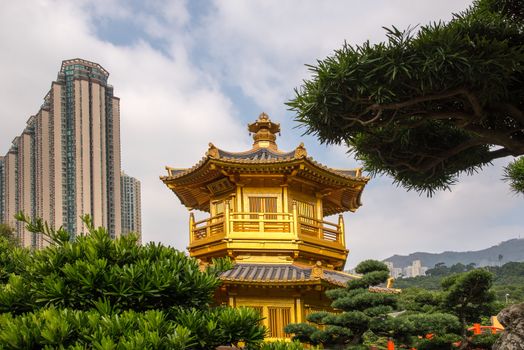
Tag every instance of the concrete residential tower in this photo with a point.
(131, 208)
(66, 162)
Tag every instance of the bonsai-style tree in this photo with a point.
(465, 298)
(421, 319)
(96, 292)
(468, 296)
(429, 103)
(359, 309)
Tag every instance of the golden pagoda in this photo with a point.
(266, 212)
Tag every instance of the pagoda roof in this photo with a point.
(194, 186)
(257, 155)
(292, 275)
(289, 274)
(260, 156)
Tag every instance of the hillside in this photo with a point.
(508, 282)
(511, 250)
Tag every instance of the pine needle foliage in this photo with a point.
(429, 103)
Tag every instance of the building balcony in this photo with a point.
(243, 232)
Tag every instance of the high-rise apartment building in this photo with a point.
(66, 162)
(131, 208)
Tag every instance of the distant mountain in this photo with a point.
(512, 250)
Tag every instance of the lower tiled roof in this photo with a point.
(266, 273)
(283, 273)
(275, 274)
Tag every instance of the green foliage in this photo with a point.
(514, 174)
(468, 295)
(93, 268)
(443, 342)
(13, 259)
(96, 292)
(437, 323)
(371, 339)
(67, 328)
(368, 266)
(465, 298)
(283, 345)
(8, 233)
(483, 341)
(419, 300)
(303, 332)
(507, 279)
(426, 105)
(360, 308)
(219, 326)
(368, 317)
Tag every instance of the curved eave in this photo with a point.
(259, 165)
(262, 283)
(186, 183)
(327, 282)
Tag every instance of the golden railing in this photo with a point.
(297, 226)
(212, 226)
(260, 222)
(323, 230)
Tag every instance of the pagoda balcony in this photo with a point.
(253, 226)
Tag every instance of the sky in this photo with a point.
(193, 72)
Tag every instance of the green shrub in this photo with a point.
(483, 341)
(443, 342)
(283, 345)
(98, 293)
(57, 328)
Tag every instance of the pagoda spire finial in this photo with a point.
(264, 131)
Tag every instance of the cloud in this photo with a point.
(263, 45)
(169, 108)
(182, 82)
(477, 213)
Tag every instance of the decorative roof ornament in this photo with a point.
(340, 189)
(212, 151)
(300, 151)
(317, 271)
(264, 131)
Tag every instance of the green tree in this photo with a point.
(419, 300)
(96, 292)
(458, 268)
(469, 297)
(13, 259)
(465, 298)
(8, 233)
(507, 279)
(440, 269)
(514, 174)
(361, 309)
(427, 104)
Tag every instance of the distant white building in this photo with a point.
(407, 272)
(395, 272)
(413, 270)
(416, 268)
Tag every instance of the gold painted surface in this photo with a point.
(268, 207)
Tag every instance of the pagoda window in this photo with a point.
(279, 317)
(305, 209)
(218, 208)
(306, 215)
(263, 205)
